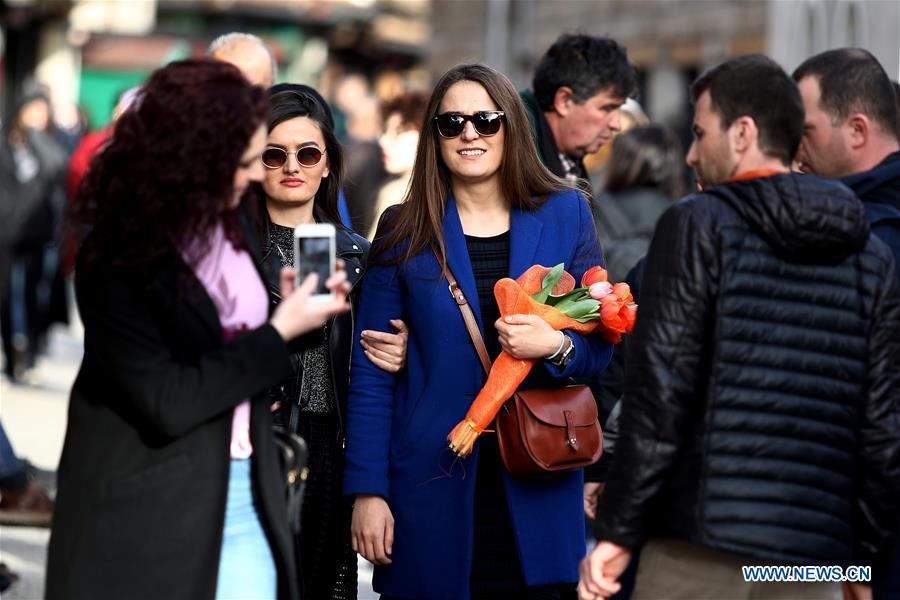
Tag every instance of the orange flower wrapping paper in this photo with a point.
(617, 313)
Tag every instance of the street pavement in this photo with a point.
(34, 416)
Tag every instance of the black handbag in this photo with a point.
(294, 455)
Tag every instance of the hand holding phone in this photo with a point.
(315, 252)
(298, 314)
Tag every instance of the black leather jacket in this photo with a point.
(761, 413)
(353, 249)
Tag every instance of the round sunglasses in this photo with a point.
(274, 157)
(486, 123)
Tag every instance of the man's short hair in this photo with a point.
(852, 80)
(228, 39)
(897, 94)
(586, 64)
(756, 87)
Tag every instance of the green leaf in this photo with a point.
(554, 300)
(550, 281)
(580, 309)
(590, 317)
(566, 300)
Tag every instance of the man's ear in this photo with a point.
(744, 134)
(562, 100)
(857, 128)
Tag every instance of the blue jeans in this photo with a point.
(246, 565)
(10, 466)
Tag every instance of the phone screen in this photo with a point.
(314, 256)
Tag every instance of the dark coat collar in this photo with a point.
(879, 184)
(542, 134)
(546, 142)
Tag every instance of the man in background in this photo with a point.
(249, 54)
(851, 132)
(573, 107)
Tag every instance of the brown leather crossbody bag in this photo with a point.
(544, 431)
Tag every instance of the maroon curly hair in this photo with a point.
(167, 175)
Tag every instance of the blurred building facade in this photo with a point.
(88, 51)
(670, 41)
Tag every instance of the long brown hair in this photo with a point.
(418, 223)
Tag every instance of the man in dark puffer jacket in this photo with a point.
(761, 419)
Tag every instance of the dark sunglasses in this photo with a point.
(274, 157)
(486, 123)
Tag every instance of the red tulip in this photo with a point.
(622, 291)
(593, 275)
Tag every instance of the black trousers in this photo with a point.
(20, 296)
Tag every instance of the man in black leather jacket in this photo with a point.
(761, 419)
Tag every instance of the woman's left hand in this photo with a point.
(527, 336)
(387, 351)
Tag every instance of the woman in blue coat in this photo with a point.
(436, 526)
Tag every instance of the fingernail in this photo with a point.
(507, 319)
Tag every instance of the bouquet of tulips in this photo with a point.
(597, 306)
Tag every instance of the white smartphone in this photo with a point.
(315, 252)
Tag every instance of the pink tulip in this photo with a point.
(600, 289)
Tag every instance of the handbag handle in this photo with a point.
(468, 317)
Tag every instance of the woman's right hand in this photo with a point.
(296, 314)
(372, 529)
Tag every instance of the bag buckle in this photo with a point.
(571, 438)
(457, 294)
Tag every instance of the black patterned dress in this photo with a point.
(327, 560)
(496, 571)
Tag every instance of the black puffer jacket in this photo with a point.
(353, 249)
(762, 399)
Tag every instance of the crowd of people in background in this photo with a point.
(752, 418)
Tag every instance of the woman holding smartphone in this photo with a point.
(169, 483)
(303, 168)
(480, 202)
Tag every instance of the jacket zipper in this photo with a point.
(341, 439)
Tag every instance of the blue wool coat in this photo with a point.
(397, 425)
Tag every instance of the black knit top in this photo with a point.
(490, 262)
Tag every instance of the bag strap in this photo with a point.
(468, 318)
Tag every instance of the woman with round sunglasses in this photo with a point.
(303, 166)
(169, 483)
(481, 202)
